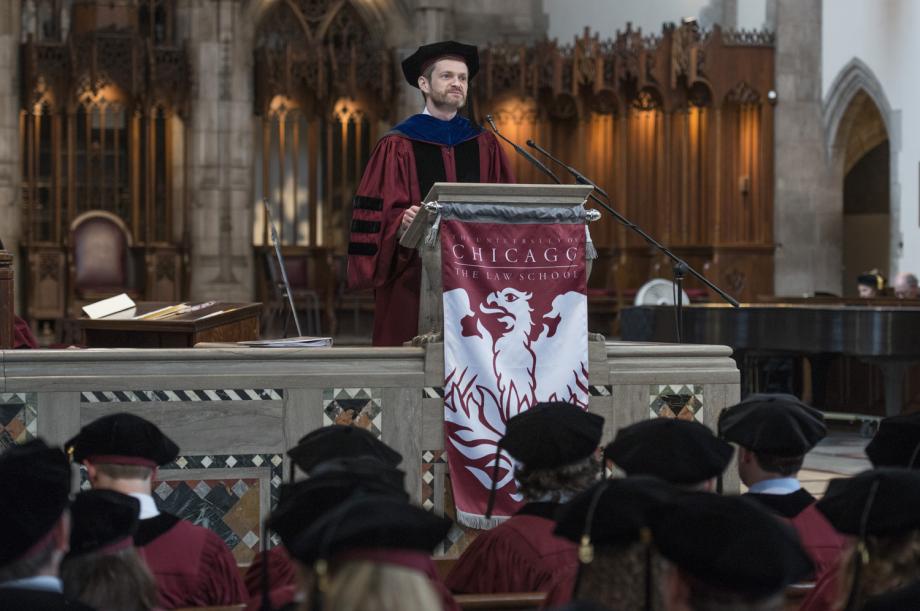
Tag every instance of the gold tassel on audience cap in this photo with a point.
(585, 550)
(70, 450)
(321, 570)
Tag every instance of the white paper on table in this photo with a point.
(109, 306)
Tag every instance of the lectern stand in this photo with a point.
(431, 314)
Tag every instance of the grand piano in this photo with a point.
(884, 332)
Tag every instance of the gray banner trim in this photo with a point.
(513, 213)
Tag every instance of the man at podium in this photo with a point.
(436, 145)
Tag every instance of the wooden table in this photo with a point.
(236, 322)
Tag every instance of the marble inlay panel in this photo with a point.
(684, 401)
(361, 407)
(18, 418)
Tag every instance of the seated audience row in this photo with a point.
(655, 536)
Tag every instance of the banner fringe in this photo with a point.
(479, 521)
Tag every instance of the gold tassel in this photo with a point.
(585, 550)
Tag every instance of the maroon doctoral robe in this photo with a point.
(192, 566)
(281, 571)
(22, 334)
(519, 555)
(398, 175)
(822, 543)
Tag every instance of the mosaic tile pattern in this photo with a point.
(355, 407)
(191, 396)
(684, 401)
(229, 507)
(430, 458)
(18, 418)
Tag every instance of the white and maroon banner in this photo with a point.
(515, 333)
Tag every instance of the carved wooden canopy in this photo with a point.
(147, 74)
(682, 66)
(316, 51)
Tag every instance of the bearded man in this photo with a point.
(436, 145)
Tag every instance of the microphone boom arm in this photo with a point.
(628, 223)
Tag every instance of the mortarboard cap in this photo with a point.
(123, 439)
(730, 544)
(776, 424)
(897, 442)
(369, 522)
(551, 435)
(612, 512)
(677, 451)
(102, 520)
(332, 484)
(876, 502)
(338, 441)
(35, 481)
(414, 65)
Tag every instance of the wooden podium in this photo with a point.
(220, 322)
(503, 198)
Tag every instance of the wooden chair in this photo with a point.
(444, 564)
(223, 608)
(99, 259)
(509, 600)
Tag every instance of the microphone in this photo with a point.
(579, 177)
(536, 162)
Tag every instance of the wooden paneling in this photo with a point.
(677, 127)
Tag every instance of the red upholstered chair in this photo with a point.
(99, 259)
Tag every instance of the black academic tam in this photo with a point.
(552, 434)
(416, 64)
(897, 442)
(882, 502)
(775, 424)
(122, 439)
(101, 518)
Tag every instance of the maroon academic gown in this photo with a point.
(22, 334)
(519, 555)
(192, 565)
(822, 543)
(283, 578)
(398, 175)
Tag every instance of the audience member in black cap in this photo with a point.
(339, 441)
(436, 142)
(726, 552)
(897, 442)
(35, 483)
(774, 432)
(363, 555)
(682, 452)
(332, 484)
(555, 445)
(611, 524)
(103, 569)
(880, 508)
(191, 564)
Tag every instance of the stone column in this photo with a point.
(220, 149)
(807, 228)
(10, 218)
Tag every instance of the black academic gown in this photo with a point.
(22, 599)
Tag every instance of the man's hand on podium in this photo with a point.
(407, 218)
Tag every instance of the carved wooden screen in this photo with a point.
(100, 124)
(676, 127)
(314, 135)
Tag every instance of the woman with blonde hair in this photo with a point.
(371, 586)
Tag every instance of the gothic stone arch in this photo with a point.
(853, 78)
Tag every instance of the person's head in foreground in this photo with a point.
(356, 556)
(35, 480)
(554, 446)
(880, 508)
(682, 452)
(610, 522)
(774, 432)
(897, 442)
(726, 552)
(103, 569)
(121, 452)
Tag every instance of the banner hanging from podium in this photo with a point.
(515, 333)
